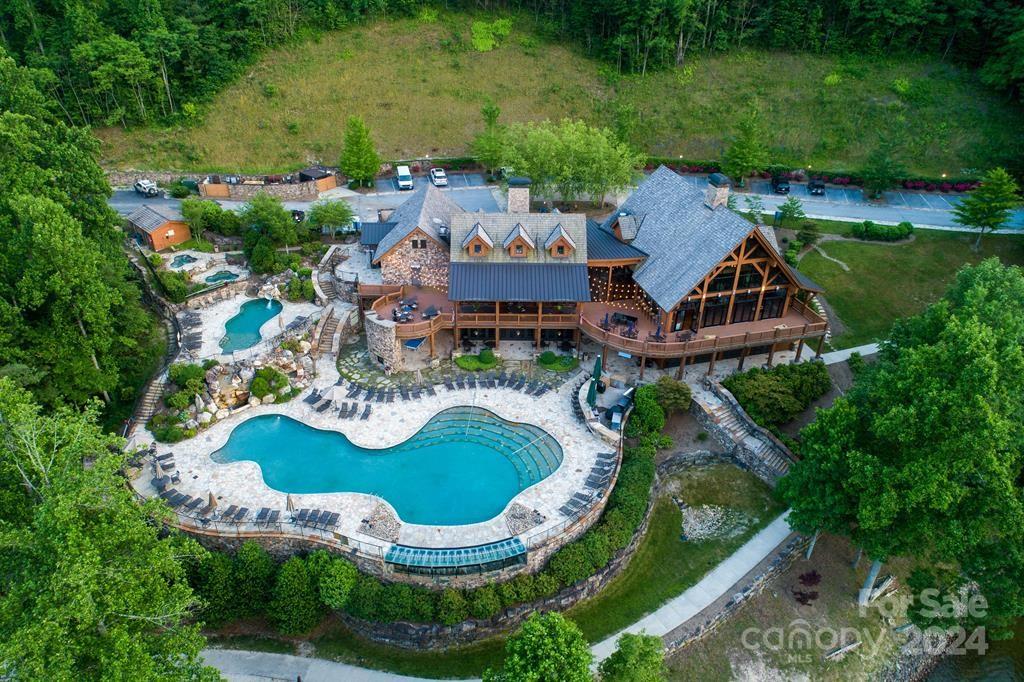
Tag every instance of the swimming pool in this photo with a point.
(221, 276)
(243, 330)
(182, 259)
(462, 467)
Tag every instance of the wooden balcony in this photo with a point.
(800, 322)
(419, 327)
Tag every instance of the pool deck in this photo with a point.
(214, 319)
(242, 483)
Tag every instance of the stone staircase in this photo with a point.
(327, 286)
(326, 341)
(755, 444)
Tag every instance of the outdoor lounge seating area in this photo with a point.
(598, 480)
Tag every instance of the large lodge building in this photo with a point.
(673, 276)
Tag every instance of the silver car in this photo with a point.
(438, 177)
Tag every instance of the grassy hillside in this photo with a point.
(420, 86)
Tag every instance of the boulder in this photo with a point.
(267, 399)
(305, 346)
(191, 424)
(223, 413)
(200, 405)
(254, 401)
(246, 374)
(205, 418)
(283, 390)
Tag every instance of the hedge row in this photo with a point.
(296, 595)
(773, 397)
(881, 233)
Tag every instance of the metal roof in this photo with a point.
(556, 234)
(478, 231)
(371, 233)
(518, 282)
(806, 282)
(603, 245)
(427, 209)
(538, 226)
(684, 239)
(148, 219)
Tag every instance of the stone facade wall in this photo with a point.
(420, 267)
(518, 199)
(299, 191)
(382, 341)
(229, 290)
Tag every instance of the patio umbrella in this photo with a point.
(289, 503)
(606, 323)
(597, 367)
(592, 393)
(657, 332)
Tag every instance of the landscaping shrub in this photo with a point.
(647, 415)
(883, 233)
(571, 564)
(792, 254)
(365, 597)
(546, 358)
(672, 395)
(267, 380)
(775, 396)
(475, 363)
(167, 429)
(187, 376)
(809, 233)
(451, 607)
(253, 574)
(856, 363)
(335, 581)
(484, 602)
(295, 604)
(156, 260)
(557, 363)
(215, 585)
(174, 284)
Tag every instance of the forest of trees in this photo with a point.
(111, 62)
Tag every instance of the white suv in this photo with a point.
(404, 178)
(438, 177)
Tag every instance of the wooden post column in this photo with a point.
(711, 364)
(799, 349)
(743, 358)
(431, 337)
(771, 355)
(817, 353)
(497, 324)
(604, 356)
(681, 369)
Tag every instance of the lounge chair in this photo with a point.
(326, 405)
(366, 412)
(519, 384)
(343, 410)
(229, 513)
(541, 391)
(369, 394)
(312, 397)
(430, 391)
(274, 516)
(355, 410)
(458, 382)
(301, 516)
(449, 385)
(179, 500)
(597, 482)
(195, 502)
(391, 396)
(262, 514)
(353, 391)
(502, 378)
(403, 392)
(568, 511)
(312, 518)
(416, 393)
(332, 522)
(241, 514)
(170, 492)
(583, 497)
(381, 395)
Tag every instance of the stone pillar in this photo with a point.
(382, 341)
(519, 195)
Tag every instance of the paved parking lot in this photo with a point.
(455, 181)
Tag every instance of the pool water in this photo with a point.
(182, 259)
(222, 276)
(463, 466)
(243, 330)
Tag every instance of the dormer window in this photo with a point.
(478, 249)
(518, 242)
(477, 242)
(559, 244)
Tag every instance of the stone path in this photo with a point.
(719, 581)
(844, 354)
(257, 666)
(841, 264)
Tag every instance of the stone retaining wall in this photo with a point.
(740, 455)
(283, 547)
(229, 290)
(726, 396)
(299, 191)
(128, 178)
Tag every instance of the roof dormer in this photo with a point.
(626, 227)
(559, 244)
(477, 242)
(518, 243)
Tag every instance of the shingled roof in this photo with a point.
(148, 219)
(478, 232)
(556, 234)
(684, 239)
(603, 245)
(428, 208)
(518, 232)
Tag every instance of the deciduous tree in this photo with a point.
(637, 658)
(547, 648)
(359, 159)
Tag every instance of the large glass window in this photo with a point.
(745, 308)
(723, 281)
(774, 302)
(715, 311)
(750, 278)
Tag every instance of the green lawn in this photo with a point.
(665, 566)
(422, 98)
(887, 282)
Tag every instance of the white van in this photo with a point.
(404, 178)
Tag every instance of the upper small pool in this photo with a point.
(221, 276)
(463, 466)
(243, 330)
(182, 259)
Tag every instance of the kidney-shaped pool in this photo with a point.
(462, 467)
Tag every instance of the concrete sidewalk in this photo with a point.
(257, 666)
(835, 356)
(719, 581)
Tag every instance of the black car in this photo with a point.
(298, 216)
(816, 188)
(780, 185)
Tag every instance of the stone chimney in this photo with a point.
(717, 193)
(519, 195)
